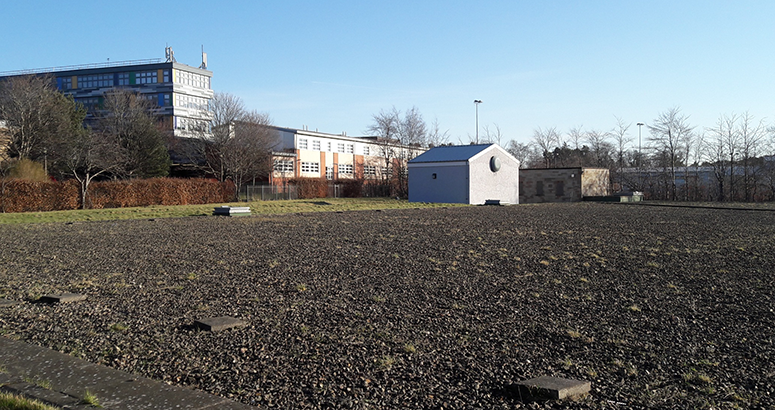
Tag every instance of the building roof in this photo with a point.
(451, 153)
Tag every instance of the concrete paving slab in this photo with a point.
(50, 397)
(8, 303)
(217, 324)
(553, 388)
(113, 388)
(62, 298)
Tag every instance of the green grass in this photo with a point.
(257, 208)
(90, 399)
(10, 401)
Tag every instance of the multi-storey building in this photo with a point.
(180, 93)
(313, 154)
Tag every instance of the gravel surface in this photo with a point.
(439, 308)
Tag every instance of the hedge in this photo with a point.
(309, 188)
(18, 195)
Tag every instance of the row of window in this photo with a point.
(131, 78)
(188, 101)
(303, 143)
(314, 167)
(194, 80)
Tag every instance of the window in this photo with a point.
(188, 101)
(329, 172)
(313, 167)
(369, 170)
(539, 188)
(345, 169)
(316, 145)
(303, 143)
(167, 99)
(329, 146)
(166, 76)
(383, 171)
(366, 150)
(146, 77)
(194, 80)
(281, 165)
(93, 81)
(350, 148)
(559, 189)
(340, 147)
(65, 83)
(123, 78)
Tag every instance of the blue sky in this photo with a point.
(331, 65)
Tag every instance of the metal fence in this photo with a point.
(270, 192)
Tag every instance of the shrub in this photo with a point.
(18, 195)
(28, 170)
(351, 188)
(309, 188)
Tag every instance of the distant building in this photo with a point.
(538, 185)
(302, 153)
(467, 174)
(180, 93)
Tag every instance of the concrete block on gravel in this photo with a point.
(8, 303)
(232, 211)
(216, 324)
(63, 298)
(553, 388)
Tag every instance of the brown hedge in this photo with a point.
(27, 196)
(308, 188)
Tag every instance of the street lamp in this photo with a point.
(476, 103)
(640, 156)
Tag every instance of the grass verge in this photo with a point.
(10, 401)
(257, 208)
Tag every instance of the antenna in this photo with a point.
(169, 55)
(204, 59)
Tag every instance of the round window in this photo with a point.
(495, 164)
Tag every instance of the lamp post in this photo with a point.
(640, 157)
(476, 103)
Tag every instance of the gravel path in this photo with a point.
(439, 308)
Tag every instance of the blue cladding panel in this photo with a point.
(161, 99)
(59, 83)
(115, 79)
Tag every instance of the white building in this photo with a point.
(468, 174)
(313, 154)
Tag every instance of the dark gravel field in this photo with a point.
(441, 308)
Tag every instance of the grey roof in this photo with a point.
(450, 153)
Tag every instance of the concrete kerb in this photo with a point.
(67, 379)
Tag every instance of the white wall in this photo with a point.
(502, 185)
(449, 186)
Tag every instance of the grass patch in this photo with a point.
(256, 207)
(46, 384)
(118, 327)
(10, 401)
(90, 399)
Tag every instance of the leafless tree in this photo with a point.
(668, 131)
(576, 137)
(87, 155)
(435, 136)
(546, 140)
(386, 126)
(34, 112)
(521, 151)
(412, 128)
(247, 154)
(599, 146)
(493, 135)
(129, 119)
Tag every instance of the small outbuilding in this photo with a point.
(464, 174)
(539, 185)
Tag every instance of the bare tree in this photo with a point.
(128, 119)
(34, 112)
(386, 126)
(247, 154)
(668, 131)
(521, 151)
(435, 136)
(576, 136)
(621, 139)
(546, 140)
(752, 133)
(493, 135)
(599, 146)
(412, 129)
